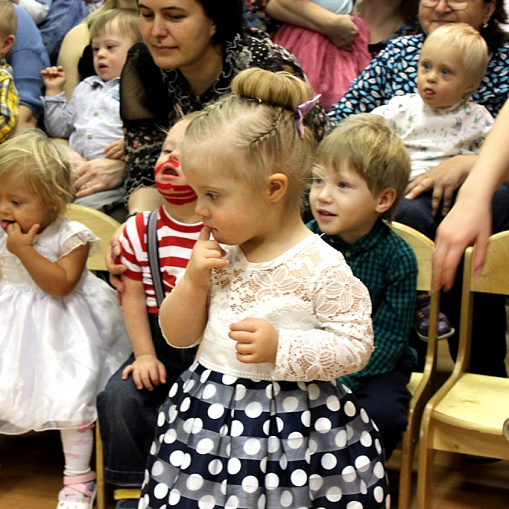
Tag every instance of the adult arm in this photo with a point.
(28, 57)
(469, 221)
(339, 28)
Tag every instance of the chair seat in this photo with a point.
(478, 402)
(415, 380)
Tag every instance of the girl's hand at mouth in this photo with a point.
(17, 241)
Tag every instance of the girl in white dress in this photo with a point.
(62, 333)
(259, 420)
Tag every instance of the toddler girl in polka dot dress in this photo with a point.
(259, 420)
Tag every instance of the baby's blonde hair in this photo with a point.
(469, 42)
(372, 149)
(43, 163)
(127, 20)
(8, 18)
(256, 125)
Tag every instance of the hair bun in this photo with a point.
(275, 88)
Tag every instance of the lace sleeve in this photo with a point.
(77, 240)
(344, 341)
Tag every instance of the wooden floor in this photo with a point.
(31, 475)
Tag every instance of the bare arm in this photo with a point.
(146, 370)
(183, 313)
(58, 278)
(339, 28)
(26, 119)
(469, 221)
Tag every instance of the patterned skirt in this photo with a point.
(227, 442)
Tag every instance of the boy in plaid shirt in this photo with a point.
(361, 172)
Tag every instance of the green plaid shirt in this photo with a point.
(387, 266)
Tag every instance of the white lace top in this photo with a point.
(322, 313)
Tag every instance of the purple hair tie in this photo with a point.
(301, 111)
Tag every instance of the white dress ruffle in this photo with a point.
(57, 353)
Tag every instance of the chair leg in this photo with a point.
(99, 467)
(425, 470)
(406, 464)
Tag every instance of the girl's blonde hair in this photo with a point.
(43, 163)
(256, 125)
(372, 149)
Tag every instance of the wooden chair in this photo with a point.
(104, 227)
(467, 413)
(422, 384)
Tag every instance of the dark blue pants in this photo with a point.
(385, 398)
(127, 416)
(489, 320)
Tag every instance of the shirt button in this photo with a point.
(96, 113)
(348, 254)
(89, 136)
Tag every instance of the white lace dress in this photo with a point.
(273, 436)
(57, 354)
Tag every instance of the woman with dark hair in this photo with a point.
(193, 49)
(430, 195)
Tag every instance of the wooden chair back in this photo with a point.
(101, 224)
(422, 384)
(467, 413)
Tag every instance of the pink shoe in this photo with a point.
(78, 492)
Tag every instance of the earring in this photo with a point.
(485, 25)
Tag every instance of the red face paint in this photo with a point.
(175, 194)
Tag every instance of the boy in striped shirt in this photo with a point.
(128, 406)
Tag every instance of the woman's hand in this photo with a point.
(463, 227)
(342, 31)
(97, 175)
(444, 179)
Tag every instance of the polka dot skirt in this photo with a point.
(227, 442)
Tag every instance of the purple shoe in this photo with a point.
(421, 323)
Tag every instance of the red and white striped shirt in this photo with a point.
(176, 240)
